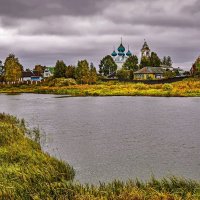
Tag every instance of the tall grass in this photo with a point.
(25, 171)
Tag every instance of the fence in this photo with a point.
(4, 83)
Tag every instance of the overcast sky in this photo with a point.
(43, 31)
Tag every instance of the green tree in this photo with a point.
(131, 63)
(131, 75)
(1, 67)
(13, 69)
(70, 72)
(167, 61)
(197, 63)
(1, 72)
(169, 74)
(177, 73)
(155, 60)
(82, 73)
(145, 62)
(123, 74)
(60, 69)
(93, 74)
(164, 60)
(39, 68)
(107, 66)
(195, 70)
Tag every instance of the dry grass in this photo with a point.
(186, 88)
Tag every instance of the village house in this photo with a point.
(47, 73)
(149, 73)
(31, 76)
(180, 71)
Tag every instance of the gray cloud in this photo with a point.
(192, 9)
(43, 8)
(42, 31)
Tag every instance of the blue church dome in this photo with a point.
(121, 48)
(114, 54)
(129, 53)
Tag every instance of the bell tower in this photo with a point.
(145, 51)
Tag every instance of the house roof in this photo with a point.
(179, 69)
(36, 73)
(31, 74)
(27, 74)
(166, 67)
(150, 70)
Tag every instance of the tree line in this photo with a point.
(83, 73)
(12, 70)
(108, 66)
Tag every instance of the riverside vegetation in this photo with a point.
(187, 88)
(27, 172)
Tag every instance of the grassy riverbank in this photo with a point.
(186, 88)
(28, 173)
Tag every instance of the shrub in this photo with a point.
(167, 87)
(59, 82)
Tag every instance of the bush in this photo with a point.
(59, 82)
(167, 87)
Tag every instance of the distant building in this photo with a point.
(145, 51)
(121, 55)
(179, 71)
(47, 73)
(166, 67)
(31, 76)
(149, 73)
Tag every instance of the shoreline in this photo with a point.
(186, 88)
(71, 96)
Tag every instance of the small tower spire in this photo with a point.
(128, 52)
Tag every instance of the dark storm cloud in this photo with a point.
(43, 8)
(41, 31)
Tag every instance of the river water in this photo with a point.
(107, 138)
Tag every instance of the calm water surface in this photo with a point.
(105, 138)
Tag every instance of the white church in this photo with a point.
(121, 55)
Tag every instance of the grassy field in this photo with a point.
(26, 172)
(186, 88)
